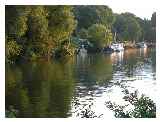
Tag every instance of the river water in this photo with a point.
(66, 88)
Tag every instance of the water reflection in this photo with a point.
(44, 89)
(64, 89)
(117, 57)
(133, 69)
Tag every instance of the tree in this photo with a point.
(89, 15)
(85, 15)
(13, 50)
(38, 35)
(153, 19)
(133, 29)
(16, 20)
(15, 27)
(119, 26)
(61, 26)
(99, 35)
(83, 33)
(127, 27)
(144, 107)
(105, 15)
(61, 22)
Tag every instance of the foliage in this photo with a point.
(13, 50)
(38, 29)
(85, 111)
(105, 15)
(11, 113)
(85, 15)
(61, 28)
(99, 35)
(16, 20)
(149, 32)
(88, 113)
(153, 19)
(127, 27)
(83, 33)
(89, 15)
(61, 23)
(144, 107)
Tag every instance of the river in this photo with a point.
(66, 88)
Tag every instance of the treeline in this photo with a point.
(132, 28)
(49, 31)
(38, 31)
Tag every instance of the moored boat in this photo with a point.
(142, 45)
(117, 47)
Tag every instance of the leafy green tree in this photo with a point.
(153, 19)
(89, 15)
(105, 15)
(83, 33)
(38, 35)
(16, 20)
(133, 29)
(13, 50)
(15, 27)
(119, 26)
(61, 25)
(149, 32)
(127, 27)
(144, 107)
(99, 35)
(86, 16)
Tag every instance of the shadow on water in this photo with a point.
(40, 89)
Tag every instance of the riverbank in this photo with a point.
(130, 45)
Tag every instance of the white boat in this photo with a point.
(117, 47)
(82, 51)
(142, 45)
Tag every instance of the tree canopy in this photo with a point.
(127, 27)
(42, 31)
(89, 15)
(99, 35)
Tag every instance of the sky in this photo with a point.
(141, 8)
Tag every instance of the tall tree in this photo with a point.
(38, 30)
(61, 23)
(127, 27)
(16, 20)
(99, 35)
(89, 15)
(61, 26)
(153, 19)
(105, 15)
(15, 27)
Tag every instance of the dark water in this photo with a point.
(64, 89)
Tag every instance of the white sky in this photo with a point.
(141, 8)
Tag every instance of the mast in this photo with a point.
(115, 34)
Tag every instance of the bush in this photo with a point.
(99, 35)
(144, 107)
(13, 50)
